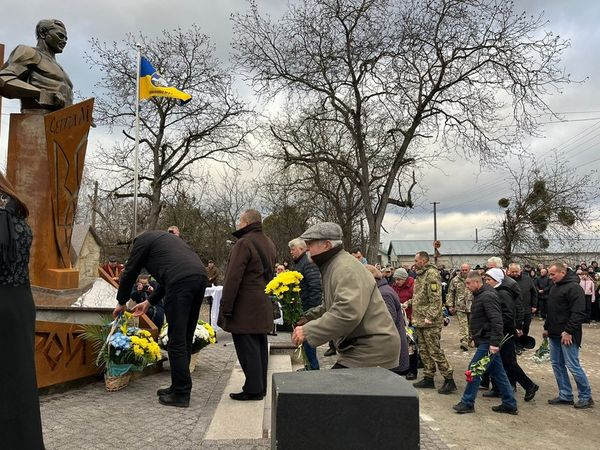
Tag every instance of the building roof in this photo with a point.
(454, 247)
(80, 231)
(470, 247)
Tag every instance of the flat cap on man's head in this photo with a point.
(324, 231)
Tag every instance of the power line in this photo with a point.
(489, 187)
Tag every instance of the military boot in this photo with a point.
(448, 387)
(425, 383)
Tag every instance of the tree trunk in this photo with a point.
(155, 207)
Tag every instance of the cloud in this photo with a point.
(449, 226)
(466, 194)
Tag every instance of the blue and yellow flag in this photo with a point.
(152, 84)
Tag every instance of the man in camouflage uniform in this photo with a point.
(428, 320)
(459, 300)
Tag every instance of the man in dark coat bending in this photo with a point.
(246, 310)
(182, 280)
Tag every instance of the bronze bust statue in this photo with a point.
(33, 75)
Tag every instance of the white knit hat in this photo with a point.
(496, 274)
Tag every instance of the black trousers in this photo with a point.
(596, 309)
(252, 353)
(543, 307)
(182, 305)
(513, 371)
(511, 366)
(588, 308)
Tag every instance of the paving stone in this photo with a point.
(88, 417)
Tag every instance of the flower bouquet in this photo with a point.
(121, 349)
(478, 368)
(285, 287)
(204, 334)
(542, 354)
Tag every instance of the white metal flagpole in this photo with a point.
(137, 140)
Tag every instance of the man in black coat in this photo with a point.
(310, 289)
(486, 328)
(529, 296)
(182, 280)
(543, 283)
(511, 314)
(566, 313)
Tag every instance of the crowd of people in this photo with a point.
(370, 316)
(494, 306)
(393, 317)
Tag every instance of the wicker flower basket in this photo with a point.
(194, 361)
(117, 383)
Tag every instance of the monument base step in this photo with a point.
(251, 419)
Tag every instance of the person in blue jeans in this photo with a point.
(486, 328)
(310, 290)
(566, 313)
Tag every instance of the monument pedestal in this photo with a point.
(45, 164)
(369, 408)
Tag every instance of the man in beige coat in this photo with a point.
(353, 312)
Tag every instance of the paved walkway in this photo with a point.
(91, 418)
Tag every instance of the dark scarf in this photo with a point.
(8, 244)
(256, 226)
(324, 257)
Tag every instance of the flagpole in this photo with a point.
(137, 140)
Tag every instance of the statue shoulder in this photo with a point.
(24, 55)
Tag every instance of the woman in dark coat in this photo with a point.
(20, 422)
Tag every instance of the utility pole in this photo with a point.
(94, 205)
(435, 250)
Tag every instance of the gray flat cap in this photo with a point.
(324, 231)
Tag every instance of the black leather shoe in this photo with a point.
(502, 408)
(243, 396)
(560, 401)
(425, 383)
(165, 391)
(181, 401)
(448, 387)
(584, 404)
(530, 393)
(491, 394)
(411, 376)
(462, 408)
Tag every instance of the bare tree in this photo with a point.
(174, 138)
(207, 219)
(398, 74)
(324, 188)
(549, 201)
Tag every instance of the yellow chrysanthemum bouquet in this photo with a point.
(285, 287)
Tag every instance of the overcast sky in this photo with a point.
(468, 196)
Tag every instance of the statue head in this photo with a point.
(52, 33)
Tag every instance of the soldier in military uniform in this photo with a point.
(428, 321)
(459, 301)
